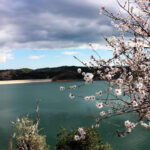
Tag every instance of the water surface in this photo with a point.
(57, 110)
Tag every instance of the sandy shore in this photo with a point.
(24, 81)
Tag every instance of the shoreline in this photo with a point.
(24, 81)
(4, 82)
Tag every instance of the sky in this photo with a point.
(48, 33)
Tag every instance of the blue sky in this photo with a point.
(49, 58)
(47, 33)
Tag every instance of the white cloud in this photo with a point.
(101, 47)
(96, 46)
(36, 57)
(70, 53)
(5, 56)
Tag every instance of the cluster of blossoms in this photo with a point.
(128, 71)
(81, 136)
(129, 126)
(92, 98)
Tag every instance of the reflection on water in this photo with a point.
(57, 110)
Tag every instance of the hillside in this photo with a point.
(56, 74)
(59, 73)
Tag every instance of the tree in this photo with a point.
(128, 72)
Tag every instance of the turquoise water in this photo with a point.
(57, 110)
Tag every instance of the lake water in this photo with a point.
(57, 110)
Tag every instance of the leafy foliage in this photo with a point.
(92, 141)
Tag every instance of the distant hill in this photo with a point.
(59, 73)
(56, 74)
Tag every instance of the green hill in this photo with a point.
(56, 74)
(59, 73)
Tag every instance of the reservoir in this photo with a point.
(58, 110)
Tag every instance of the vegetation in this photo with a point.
(59, 73)
(91, 140)
(27, 135)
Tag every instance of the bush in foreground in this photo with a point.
(27, 135)
(81, 139)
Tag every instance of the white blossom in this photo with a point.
(62, 88)
(128, 130)
(79, 70)
(87, 98)
(92, 98)
(99, 105)
(76, 138)
(97, 126)
(144, 124)
(109, 76)
(72, 96)
(99, 93)
(118, 92)
(127, 123)
(81, 131)
(83, 73)
(134, 104)
(119, 81)
(102, 113)
(88, 77)
(73, 87)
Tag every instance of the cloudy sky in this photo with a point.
(47, 33)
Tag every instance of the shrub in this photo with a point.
(27, 135)
(76, 140)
